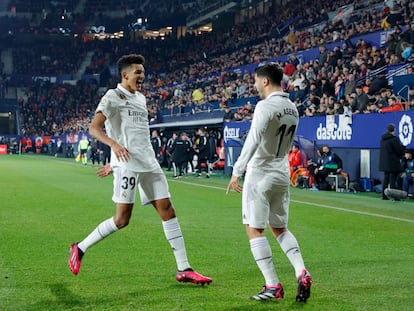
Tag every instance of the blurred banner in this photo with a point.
(340, 131)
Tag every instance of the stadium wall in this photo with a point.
(346, 135)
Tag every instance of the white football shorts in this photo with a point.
(264, 202)
(152, 186)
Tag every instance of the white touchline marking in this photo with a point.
(313, 204)
(196, 184)
(296, 201)
(354, 211)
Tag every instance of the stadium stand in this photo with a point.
(204, 62)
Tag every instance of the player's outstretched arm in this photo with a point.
(104, 171)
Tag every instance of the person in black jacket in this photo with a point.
(157, 145)
(328, 163)
(168, 150)
(104, 153)
(180, 151)
(391, 152)
(203, 152)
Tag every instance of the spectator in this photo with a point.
(323, 54)
(408, 34)
(378, 83)
(408, 171)
(393, 106)
(326, 87)
(197, 95)
(339, 106)
(381, 98)
(329, 163)
(361, 100)
(228, 115)
(391, 151)
(322, 110)
(246, 112)
(295, 158)
(392, 42)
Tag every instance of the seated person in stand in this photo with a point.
(295, 158)
(408, 174)
(329, 163)
(393, 106)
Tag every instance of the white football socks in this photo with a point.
(290, 246)
(104, 229)
(262, 253)
(174, 236)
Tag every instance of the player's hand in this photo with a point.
(234, 184)
(121, 153)
(104, 171)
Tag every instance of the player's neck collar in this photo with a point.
(277, 93)
(124, 90)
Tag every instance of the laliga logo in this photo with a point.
(405, 129)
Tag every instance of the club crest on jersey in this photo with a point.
(122, 96)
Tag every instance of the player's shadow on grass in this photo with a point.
(64, 297)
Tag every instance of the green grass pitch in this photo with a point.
(359, 249)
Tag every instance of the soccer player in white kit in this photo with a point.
(265, 198)
(124, 114)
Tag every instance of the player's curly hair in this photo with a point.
(127, 60)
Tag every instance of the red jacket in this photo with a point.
(295, 160)
(394, 108)
(289, 69)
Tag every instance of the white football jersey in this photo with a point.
(270, 137)
(127, 123)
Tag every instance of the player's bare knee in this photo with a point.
(164, 208)
(277, 231)
(121, 222)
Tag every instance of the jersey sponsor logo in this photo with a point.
(138, 116)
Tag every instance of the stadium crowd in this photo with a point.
(193, 73)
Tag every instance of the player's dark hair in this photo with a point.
(127, 60)
(271, 71)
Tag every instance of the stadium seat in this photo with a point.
(337, 178)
